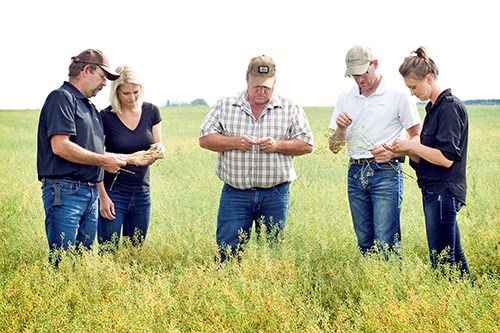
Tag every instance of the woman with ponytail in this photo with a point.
(439, 158)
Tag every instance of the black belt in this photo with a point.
(400, 159)
(257, 188)
(267, 188)
(90, 184)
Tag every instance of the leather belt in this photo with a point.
(90, 184)
(400, 159)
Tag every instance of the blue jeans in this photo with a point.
(132, 214)
(441, 225)
(375, 193)
(239, 209)
(70, 213)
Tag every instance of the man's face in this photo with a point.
(96, 81)
(366, 80)
(258, 94)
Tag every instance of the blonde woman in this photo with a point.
(130, 125)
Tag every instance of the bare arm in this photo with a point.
(413, 148)
(106, 205)
(337, 138)
(414, 135)
(383, 154)
(63, 147)
(221, 143)
(157, 134)
(432, 155)
(158, 145)
(293, 147)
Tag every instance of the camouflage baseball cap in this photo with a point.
(262, 71)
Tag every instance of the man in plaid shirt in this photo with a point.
(256, 136)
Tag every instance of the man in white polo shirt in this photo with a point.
(364, 118)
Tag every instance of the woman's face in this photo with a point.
(419, 88)
(128, 94)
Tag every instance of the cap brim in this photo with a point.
(357, 70)
(110, 75)
(262, 81)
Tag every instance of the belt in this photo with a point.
(268, 188)
(90, 184)
(400, 159)
(256, 188)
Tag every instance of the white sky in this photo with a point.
(188, 49)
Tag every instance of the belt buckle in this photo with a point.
(400, 159)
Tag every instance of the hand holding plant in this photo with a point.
(147, 157)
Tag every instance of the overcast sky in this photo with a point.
(188, 49)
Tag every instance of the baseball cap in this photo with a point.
(262, 71)
(96, 57)
(358, 60)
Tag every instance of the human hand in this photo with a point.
(159, 150)
(245, 142)
(113, 162)
(344, 119)
(147, 157)
(381, 154)
(268, 144)
(398, 146)
(106, 207)
(141, 158)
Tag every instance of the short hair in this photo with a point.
(127, 76)
(76, 67)
(419, 65)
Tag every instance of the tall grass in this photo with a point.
(315, 281)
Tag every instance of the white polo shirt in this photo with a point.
(378, 118)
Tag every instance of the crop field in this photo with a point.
(315, 281)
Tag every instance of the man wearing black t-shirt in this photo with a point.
(70, 154)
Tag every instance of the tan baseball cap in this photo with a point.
(262, 71)
(358, 60)
(96, 57)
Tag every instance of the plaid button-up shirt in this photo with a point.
(281, 119)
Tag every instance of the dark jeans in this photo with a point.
(442, 229)
(238, 209)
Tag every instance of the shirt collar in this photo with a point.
(242, 100)
(441, 97)
(379, 91)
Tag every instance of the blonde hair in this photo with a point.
(419, 65)
(127, 76)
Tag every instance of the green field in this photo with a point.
(316, 281)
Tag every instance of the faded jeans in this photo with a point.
(132, 216)
(70, 213)
(375, 192)
(239, 209)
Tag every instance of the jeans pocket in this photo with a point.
(447, 207)
(282, 189)
(226, 188)
(457, 204)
